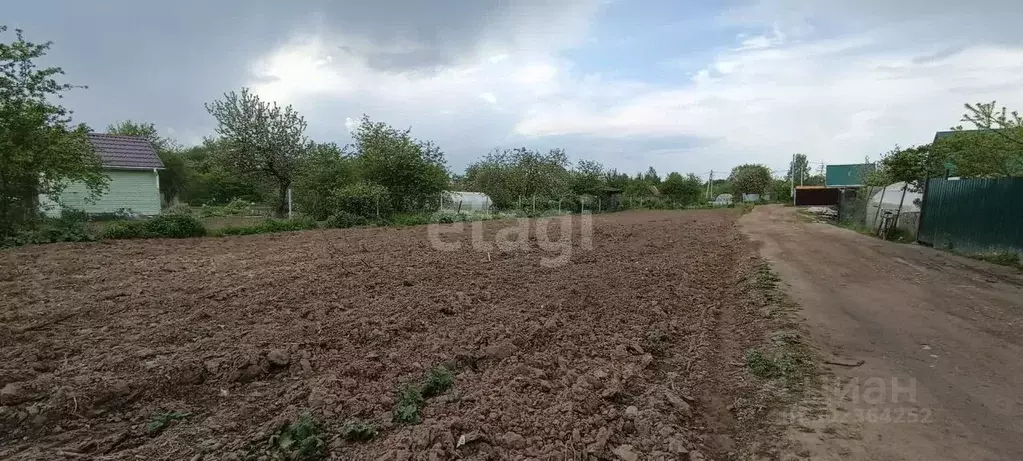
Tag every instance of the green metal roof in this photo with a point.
(851, 175)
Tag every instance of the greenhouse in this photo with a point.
(888, 199)
(465, 201)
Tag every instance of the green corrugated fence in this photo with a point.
(973, 215)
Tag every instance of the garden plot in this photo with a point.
(373, 344)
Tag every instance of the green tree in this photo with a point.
(911, 165)
(988, 117)
(781, 191)
(750, 179)
(616, 180)
(799, 170)
(209, 182)
(685, 190)
(261, 140)
(651, 177)
(588, 178)
(324, 171)
(41, 152)
(144, 130)
(510, 175)
(413, 171)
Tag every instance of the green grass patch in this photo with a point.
(160, 421)
(438, 380)
(657, 342)
(410, 405)
(412, 396)
(358, 431)
(298, 441)
(270, 226)
(1003, 258)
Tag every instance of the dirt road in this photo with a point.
(940, 337)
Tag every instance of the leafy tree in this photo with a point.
(209, 182)
(615, 179)
(175, 169)
(987, 117)
(520, 173)
(911, 165)
(260, 139)
(362, 198)
(40, 151)
(588, 178)
(781, 191)
(799, 170)
(750, 179)
(685, 190)
(413, 171)
(651, 177)
(325, 170)
(143, 130)
(814, 180)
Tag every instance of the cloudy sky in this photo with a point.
(683, 86)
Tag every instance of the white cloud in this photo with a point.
(351, 124)
(789, 88)
(489, 97)
(838, 99)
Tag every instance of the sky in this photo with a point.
(674, 84)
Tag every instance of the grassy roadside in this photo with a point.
(783, 368)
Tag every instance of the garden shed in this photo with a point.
(132, 166)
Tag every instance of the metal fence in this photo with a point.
(973, 215)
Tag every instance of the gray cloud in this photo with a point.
(160, 61)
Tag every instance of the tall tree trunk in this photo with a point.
(282, 200)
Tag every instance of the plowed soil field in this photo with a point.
(205, 348)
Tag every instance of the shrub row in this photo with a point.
(69, 227)
(163, 226)
(270, 226)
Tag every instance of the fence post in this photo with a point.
(903, 199)
(877, 214)
(534, 203)
(289, 203)
(459, 210)
(600, 207)
(923, 207)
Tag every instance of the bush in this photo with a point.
(270, 226)
(119, 214)
(238, 207)
(69, 227)
(362, 198)
(163, 226)
(179, 209)
(344, 219)
(408, 219)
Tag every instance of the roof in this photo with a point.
(947, 134)
(125, 152)
(942, 135)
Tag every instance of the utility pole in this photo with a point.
(792, 178)
(710, 182)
